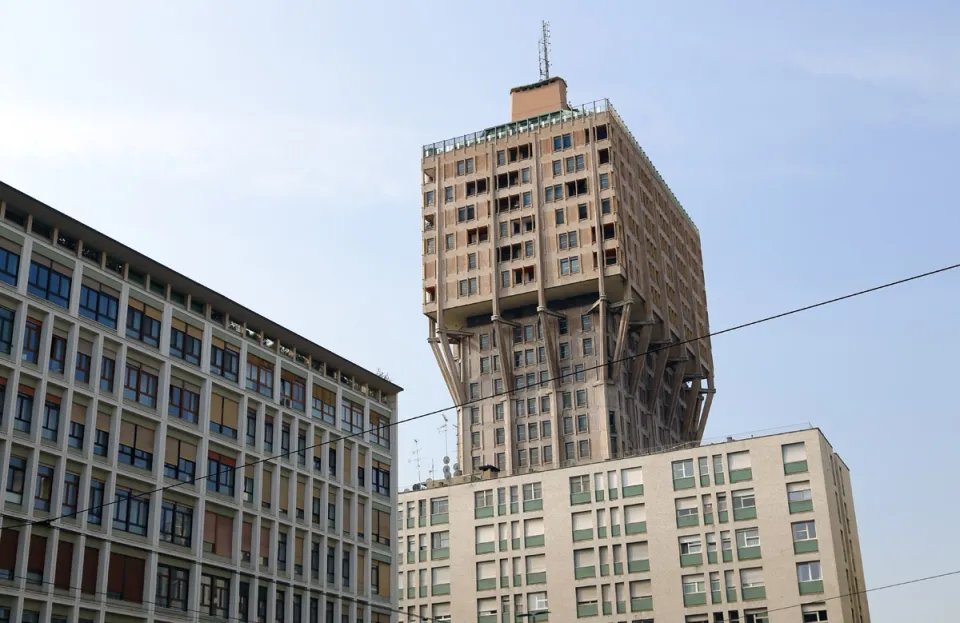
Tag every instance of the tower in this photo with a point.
(554, 257)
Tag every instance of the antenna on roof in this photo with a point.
(416, 458)
(545, 50)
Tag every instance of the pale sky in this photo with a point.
(271, 152)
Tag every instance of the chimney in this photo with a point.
(539, 98)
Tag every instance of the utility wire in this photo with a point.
(510, 391)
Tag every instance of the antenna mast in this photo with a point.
(545, 50)
(416, 458)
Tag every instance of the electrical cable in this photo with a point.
(745, 325)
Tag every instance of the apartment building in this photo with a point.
(123, 386)
(758, 530)
(555, 258)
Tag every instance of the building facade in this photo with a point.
(123, 385)
(554, 258)
(760, 530)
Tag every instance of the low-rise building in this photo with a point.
(750, 531)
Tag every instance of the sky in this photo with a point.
(271, 151)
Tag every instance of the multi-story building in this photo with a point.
(564, 289)
(123, 385)
(756, 530)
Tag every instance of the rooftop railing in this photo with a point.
(531, 124)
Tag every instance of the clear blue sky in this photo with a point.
(274, 156)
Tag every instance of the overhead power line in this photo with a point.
(745, 325)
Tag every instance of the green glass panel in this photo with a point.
(537, 578)
(440, 589)
(691, 560)
(687, 521)
(731, 595)
(705, 480)
(439, 519)
(585, 572)
(601, 533)
(797, 467)
(638, 566)
(742, 514)
(501, 509)
(533, 541)
(423, 591)
(518, 580)
(621, 607)
(423, 555)
(580, 498)
(708, 519)
(515, 543)
(487, 618)
(411, 557)
(487, 585)
(504, 545)
(598, 495)
(586, 610)
(712, 558)
(410, 522)
(716, 597)
(696, 599)
(411, 593)
(607, 607)
(748, 553)
(613, 494)
(805, 547)
(632, 491)
(684, 483)
(807, 588)
(639, 605)
(618, 568)
(801, 507)
(480, 513)
(637, 528)
(486, 548)
(504, 581)
(604, 570)
(615, 530)
(723, 516)
(514, 508)
(583, 535)
(718, 479)
(754, 592)
(727, 555)
(533, 505)
(739, 475)
(422, 521)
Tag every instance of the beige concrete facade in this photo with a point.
(756, 530)
(551, 245)
(120, 378)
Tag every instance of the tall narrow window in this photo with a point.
(143, 322)
(84, 360)
(23, 417)
(221, 473)
(99, 303)
(136, 445)
(58, 353)
(224, 415)
(31, 340)
(9, 261)
(131, 512)
(51, 418)
(50, 280)
(186, 341)
(260, 375)
(224, 359)
(108, 371)
(180, 460)
(184, 401)
(7, 318)
(140, 384)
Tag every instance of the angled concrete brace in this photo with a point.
(640, 360)
(675, 388)
(621, 335)
(710, 391)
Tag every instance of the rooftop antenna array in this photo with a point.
(443, 429)
(416, 458)
(544, 50)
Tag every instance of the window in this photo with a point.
(814, 613)
(51, 419)
(180, 462)
(184, 401)
(562, 142)
(186, 342)
(16, 476)
(99, 303)
(214, 595)
(579, 484)
(586, 322)
(682, 469)
(260, 375)
(804, 531)
(131, 513)
(77, 429)
(71, 493)
(23, 418)
(324, 404)
(798, 492)
(381, 478)
(9, 262)
(143, 322)
(466, 213)
(136, 445)
(351, 416)
(108, 368)
(58, 354)
(125, 578)
(31, 341)
(172, 587)
(569, 265)
(221, 473)
(49, 280)
(604, 181)
(95, 504)
(483, 499)
(605, 206)
(82, 369)
(7, 317)
(693, 585)
(101, 436)
(532, 491)
(224, 415)
(176, 524)
(809, 571)
(218, 534)
(44, 488)
(749, 537)
(140, 384)
(584, 448)
(743, 499)
(224, 359)
(380, 521)
(293, 391)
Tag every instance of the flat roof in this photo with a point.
(74, 228)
